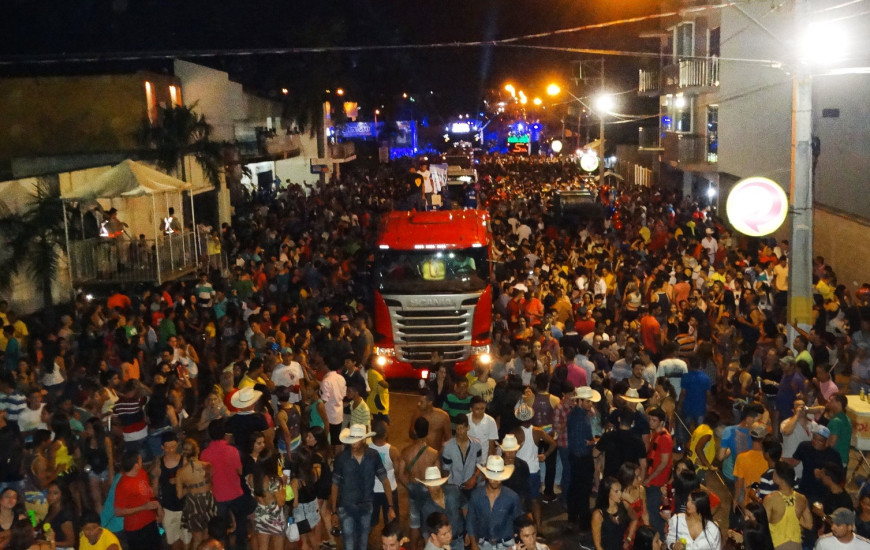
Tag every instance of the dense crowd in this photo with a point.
(637, 360)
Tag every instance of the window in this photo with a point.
(713, 42)
(150, 103)
(684, 40)
(712, 133)
(678, 118)
(174, 96)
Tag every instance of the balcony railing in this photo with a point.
(692, 73)
(649, 137)
(342, 152)
(254, 139)
(649, 81)
(686, 149)
(279, 144)
(103, 260)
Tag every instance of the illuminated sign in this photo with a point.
(460, 128)
(518, 139)
(756, 206)
(518, 148)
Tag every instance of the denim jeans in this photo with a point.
(653, 503)
(565, 481)
(356, 523)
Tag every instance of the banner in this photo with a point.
(438, 175)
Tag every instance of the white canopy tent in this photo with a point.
(140, 194)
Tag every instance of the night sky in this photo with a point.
(458, 76)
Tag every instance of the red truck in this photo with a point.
(432, 291)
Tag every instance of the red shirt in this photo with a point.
(650, 331)
(132, 492)
(660, 444)
(225, 466)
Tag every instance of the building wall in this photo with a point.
(754, 100)
(221, 100)
(298, 169)
(50, 116)
(843, 241)
(843, 168)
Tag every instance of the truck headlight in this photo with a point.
(482, 353)
(385, 352)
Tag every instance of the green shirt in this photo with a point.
(842, 428)
(805, 356)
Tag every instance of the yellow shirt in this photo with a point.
(106, 540)
(709, 448)
(378, 399)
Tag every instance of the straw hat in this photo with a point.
(585, 392)
(354, 434)
(245, 397)
(496, 469)
(632, 396)
(432, 477)
(510, 443)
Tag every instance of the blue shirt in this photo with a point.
(460, 467)
(789, 387)
(355, 479)
(695, 385)
(453, 508)
(496, 523)
(738, 440)
(579, 432)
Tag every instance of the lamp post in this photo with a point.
(604, 103)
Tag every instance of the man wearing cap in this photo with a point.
(444, 498)
(353, 477)
(246, 421)
(750, 465)
(842, 535)
(493, 508)
(532, 439)
(813, 455)
(580, 445)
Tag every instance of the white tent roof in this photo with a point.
(129, 179)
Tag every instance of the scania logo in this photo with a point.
(429, 301)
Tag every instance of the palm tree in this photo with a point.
(179, 132)
(33, 240)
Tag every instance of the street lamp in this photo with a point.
(537, 101)
(604, 103)
(553, 89)
(339, 91)
(509, 88)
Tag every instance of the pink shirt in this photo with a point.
(226, 465)
(576, 375)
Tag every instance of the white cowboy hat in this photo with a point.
(632, 396)
(585, 392)
(496, 469)
(432, 477)
(354, 434)
(523, 412)
(245, 397)
(510, 443)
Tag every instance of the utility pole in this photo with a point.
(601, 124)
(800, 284)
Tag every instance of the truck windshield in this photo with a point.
(426, 271)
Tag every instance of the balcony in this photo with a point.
(342, 152)
(649, 82)
(649, 138)
(256, 141)
(688, 151)
(700, 75)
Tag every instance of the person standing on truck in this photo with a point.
(416, 199)
(428, 188)
(470, 194)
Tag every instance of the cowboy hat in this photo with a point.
(523, 412)
(245, 397)
(496, 469)
(510, 443)
(585, 392)
(354, 434)
(632, 396)
(432, 477)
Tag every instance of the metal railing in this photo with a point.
(649, 81)
(127, 260)
(341, 151)
(690, 73)
(635, 174)
(685, 149)
(649, 137)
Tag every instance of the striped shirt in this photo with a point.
(13, 403)
(130, 412)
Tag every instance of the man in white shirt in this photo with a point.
(333, 389)
(289, 374)
(842, 535)
(482, 427)
(710, 246)
(672, 368)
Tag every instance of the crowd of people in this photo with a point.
(637, 361)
